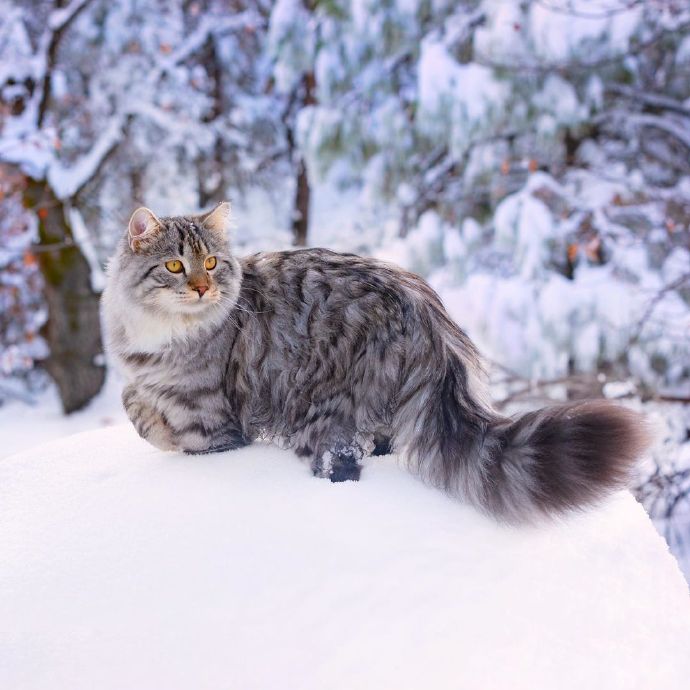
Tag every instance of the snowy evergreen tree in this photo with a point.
(526, 148)
(534, 147)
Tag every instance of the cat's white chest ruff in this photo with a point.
(149, 335)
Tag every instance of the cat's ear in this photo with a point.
(219, 220)
(143, 225)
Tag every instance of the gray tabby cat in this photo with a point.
(338, 356)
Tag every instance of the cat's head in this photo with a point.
(179, 265)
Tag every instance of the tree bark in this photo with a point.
(300, 212)
(304, 96)
(213, 167)
(73, 330)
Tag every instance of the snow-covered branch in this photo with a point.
(81, 235)
(67, 181)
(58, 23)
(34, 152)
(208, 27)
(654, 100)
(663, 124)
(61, 17)
(517, 63)
(603, 13)
(670, 287)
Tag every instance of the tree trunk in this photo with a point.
(73, 329)
(300, 212)
(302, 97)
(211, 170)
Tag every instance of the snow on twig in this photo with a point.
(673, 285)
(83, 239)
(61, 17)
(195, 41)
(67, 181)
(666, 125)
(653, 99)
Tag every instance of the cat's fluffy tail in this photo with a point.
(542, 463)
(559, 458)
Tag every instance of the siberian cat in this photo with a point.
(338, 356)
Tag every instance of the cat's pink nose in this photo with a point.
(201, 289)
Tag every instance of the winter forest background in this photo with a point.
(530, 158)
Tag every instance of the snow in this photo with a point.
(396, 84)
(66, 181)
(559, 35)
(59, 18)
(289, 19)
(81, 235)
(471, 91)
(122, 566)
(24, 426)
(559, 98)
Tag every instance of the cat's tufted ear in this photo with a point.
(143, 225)
(219, 220)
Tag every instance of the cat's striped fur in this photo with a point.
(332, 354)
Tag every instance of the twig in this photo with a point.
(673, 285)
(653, 99)
(604, 14)
(515, 64)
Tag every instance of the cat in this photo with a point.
(338, 356)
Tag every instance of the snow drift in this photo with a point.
(123, 567)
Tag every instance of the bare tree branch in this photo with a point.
(68, 181)
(673, 285)
(59, 21)
(516, 64)
(626, 6)
(652, 99)
(662, 124)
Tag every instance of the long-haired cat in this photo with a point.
(338, 356)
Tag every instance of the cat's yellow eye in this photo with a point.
(210, 263)
(174, 266)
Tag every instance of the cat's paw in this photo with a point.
(209, 450)
(160, 435)
(345, 473)
(382, 446)
(341, 464)
(220, 447)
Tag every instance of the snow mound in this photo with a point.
(125, 567)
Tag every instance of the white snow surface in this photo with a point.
(125, 567)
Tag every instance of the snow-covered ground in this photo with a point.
(125, 567)
(23, 426)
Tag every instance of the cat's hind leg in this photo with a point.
(340, 462)
(345, 462)
(383, 445)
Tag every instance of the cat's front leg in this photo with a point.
(150, 423)
(167, 424)
(209, 427)
(218, 443)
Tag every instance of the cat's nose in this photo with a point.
(201, 289)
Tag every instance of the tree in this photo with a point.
(82, 119)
